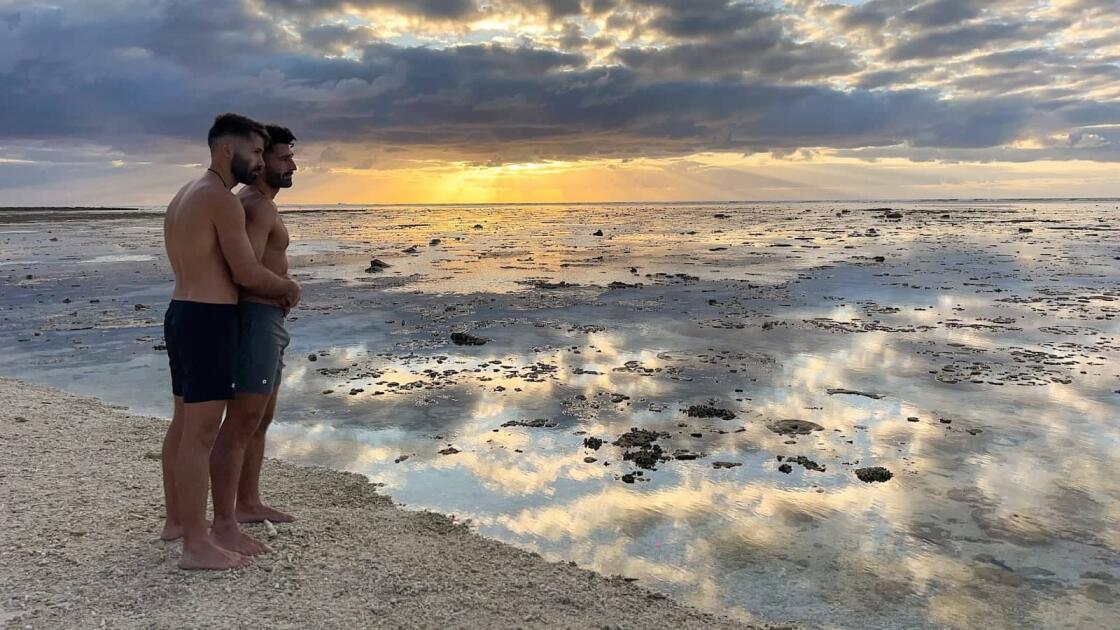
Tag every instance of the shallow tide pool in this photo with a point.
(970, 349)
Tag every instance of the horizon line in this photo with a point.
(589, 203)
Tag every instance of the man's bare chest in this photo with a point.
(278, 239)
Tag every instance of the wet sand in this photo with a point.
(81, 503)
(77, 213)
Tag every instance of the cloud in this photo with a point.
(337, 38)
(941, 12)
(700, 75)
(562, 8)
(1012, 58)
(1092, 7)
(945, 43)
(433, 9)
(869, 15)
(763, 51)
(888, 78)
(705, 18)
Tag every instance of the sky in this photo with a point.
(107, 102)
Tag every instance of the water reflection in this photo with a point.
(974, 361)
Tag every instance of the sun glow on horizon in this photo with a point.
(703, 176)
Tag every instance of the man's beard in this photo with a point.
(241, 173)
(277, 180)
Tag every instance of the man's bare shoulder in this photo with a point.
(179, 195)
(210, 199)
(181, 199)
(258, 207)
(201, 192)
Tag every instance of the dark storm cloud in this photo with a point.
(1036, 69)
(704, 18)
(195, 37)
(1086, 114)
(447, 98)
(1107, 71)
(688, 115)
(941, 12)
(887, 78)
(436, 9)
(1090, 142)
(758, 56)
(572, 37)
(754, 43)
(937, 29)
(880, 14)
(596, 7)
(913, 117)
(84, 36)
(954, 41)
(1002, 82)
(562, 8)
(1013, 58)
(869, 15)
(1108, 40)
(81, 71)
(158, 72)
(337, 37)
(551, 9)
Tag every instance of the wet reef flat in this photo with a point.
(827, 413)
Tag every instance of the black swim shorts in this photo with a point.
(261, 342)
(201, 343)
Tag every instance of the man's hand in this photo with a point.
(292, 297)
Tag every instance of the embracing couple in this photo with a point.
(225, 337)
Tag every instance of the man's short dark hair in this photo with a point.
(230, 124)
(278, 136)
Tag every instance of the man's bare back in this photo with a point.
(211, 255)
(193, 247)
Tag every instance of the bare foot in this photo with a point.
(232, 538)
(207, 555)
(173, 531)
(260, 513)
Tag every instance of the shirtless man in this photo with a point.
(210, 254)
(235, 462)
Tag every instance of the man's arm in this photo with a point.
(228, 218)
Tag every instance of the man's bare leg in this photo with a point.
(172, 527)
(226, 462)
(191, 475)
(250, 508)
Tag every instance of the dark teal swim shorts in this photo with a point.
(261, 343)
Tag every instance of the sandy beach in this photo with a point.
(81, 508)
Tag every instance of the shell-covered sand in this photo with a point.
(81, 507)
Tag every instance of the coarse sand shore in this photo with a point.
(81, 507)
